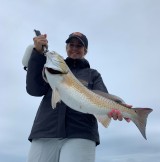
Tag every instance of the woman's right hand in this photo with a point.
(39, 42)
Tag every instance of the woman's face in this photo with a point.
(75, 49)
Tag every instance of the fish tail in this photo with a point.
(141, 119)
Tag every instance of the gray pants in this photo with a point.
(62, 150)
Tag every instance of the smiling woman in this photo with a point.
(77, 45)
(63, 123)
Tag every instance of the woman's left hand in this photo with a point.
(116, 114)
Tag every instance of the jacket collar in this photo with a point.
(77, 63)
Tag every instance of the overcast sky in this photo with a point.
(124, 46)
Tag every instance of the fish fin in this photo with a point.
(141, 119)
(55, 98)
(103, 119)
(109, 96)
(44, 75)
(85, 83)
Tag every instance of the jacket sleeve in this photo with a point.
(98, 83)
(35, 84)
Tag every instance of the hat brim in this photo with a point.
(68, 40)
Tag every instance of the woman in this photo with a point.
(63, 134)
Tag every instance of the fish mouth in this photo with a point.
(53, 71)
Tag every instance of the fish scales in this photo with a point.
(93, 98)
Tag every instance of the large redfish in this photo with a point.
(73, 93)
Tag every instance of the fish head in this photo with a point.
(55, 63)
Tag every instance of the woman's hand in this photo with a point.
(39, 42)
(116, 114)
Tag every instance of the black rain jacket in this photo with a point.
(61, 122)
